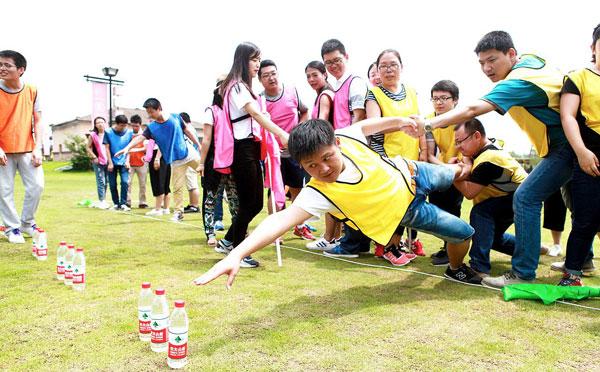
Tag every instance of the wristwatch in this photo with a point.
(427, 126)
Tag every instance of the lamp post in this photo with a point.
(110, 72)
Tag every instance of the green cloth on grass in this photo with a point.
(548, 293)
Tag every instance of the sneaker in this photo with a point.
(125, 208)
(398, 251)
(463, 274)
(544, 250)
(339, 252)
(143, 206)
(554, 250)
(14, 236)
(191, 209)
(223, 248)
(304, 233)
(177, 216)
(128, 205)
(501, 281)
(155, 212)
(219, 226)
(102, 205)
(115, 208)
(166, 211)
(440, 258)
(211, 241)
(570, 280)
(396, 260)
(322, 244)
(28, 230)
(249, 262)
(587, 268)
(379, 250)
(310, 227)
(416, 247)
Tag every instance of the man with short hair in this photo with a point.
(528, 89)
(115, 139)
(444, 97)
(494, 177)
(21, 140)
(286, 110)
(348, 108)
(137, 165)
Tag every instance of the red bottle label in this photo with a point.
(68, 274)
(159, 336)
(144, 326)
(78, 278)
(177, 351)
(42, 252)
(60, 270)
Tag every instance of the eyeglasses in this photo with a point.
(392, 67)
(460, 142)
(7, 65)
(268, 75)
(334, 61)
(442, 99)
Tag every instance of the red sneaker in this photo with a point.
(396, 261)
(416, 247)
(304, 233)
(569, 280)
(379, 250)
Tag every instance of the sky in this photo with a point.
(174, 50)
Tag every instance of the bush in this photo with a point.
(80, 159)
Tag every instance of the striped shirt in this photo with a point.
(376, 140)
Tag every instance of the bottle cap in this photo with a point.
(146, 285)
(180, 303)
(40, 230)
(71, 246)
(160, 291)
(79, 249)
(63, 243)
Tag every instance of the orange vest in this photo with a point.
(136, 158)
(16, 120)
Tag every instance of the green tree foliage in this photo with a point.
(80, 159)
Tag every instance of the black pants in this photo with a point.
(159, 179)
(449, 200)
(247, 173)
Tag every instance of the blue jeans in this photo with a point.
(490, 219)
(112, 180)
(429, 218)
(585, 194)
(101, 180)
(548, 176)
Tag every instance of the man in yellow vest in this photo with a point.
(494, 177)
(21, 140)
(372, 194)
(529, 90)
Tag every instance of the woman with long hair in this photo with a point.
(243, 111)
(97, 153)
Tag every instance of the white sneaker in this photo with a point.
(322, 245)
(155, 212)
(15, 237)
(166, 211)
(28, 230)
(555, 250)
(115, 208)
(177, 217)
(102, 205)
(125, 208)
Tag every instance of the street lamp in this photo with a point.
(110, 72)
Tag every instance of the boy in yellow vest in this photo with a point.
(370, 193)
(494, 177)
(529, 90)
(20, 146)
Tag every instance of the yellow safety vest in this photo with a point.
(399, 143)
(588, 83)
(511, 178)
(375, 204)
(444, 139)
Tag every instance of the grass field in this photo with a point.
(314, 313)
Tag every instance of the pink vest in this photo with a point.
(284, 110)
(100, 149)
(273, 177)
(317, 107)
(342, 117)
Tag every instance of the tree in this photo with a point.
(80, 159)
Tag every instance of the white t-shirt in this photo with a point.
(358, 90)
(239, 96)
(207, 117)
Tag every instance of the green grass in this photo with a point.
(313, 313)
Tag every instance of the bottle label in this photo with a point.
(79, 278)
(158, 330)
(144, 321)
(68, 272)
(60, 269)
(178, 344)
(41, 252)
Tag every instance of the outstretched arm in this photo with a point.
(265, 233)
(253, 110)
(134, 142)
(393, 123)
(457, 115)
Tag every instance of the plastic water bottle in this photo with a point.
(159, 318)
(79, 270)
(41, 252)
(69, 256)
(178, 336)
(34, 239)
(60, 261)
(144, 310)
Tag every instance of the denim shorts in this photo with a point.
(428, 218)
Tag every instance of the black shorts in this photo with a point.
(159, 179)
(292, 173)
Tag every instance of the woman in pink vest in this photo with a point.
(97, 153)
(245, 117)
(316, 76)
